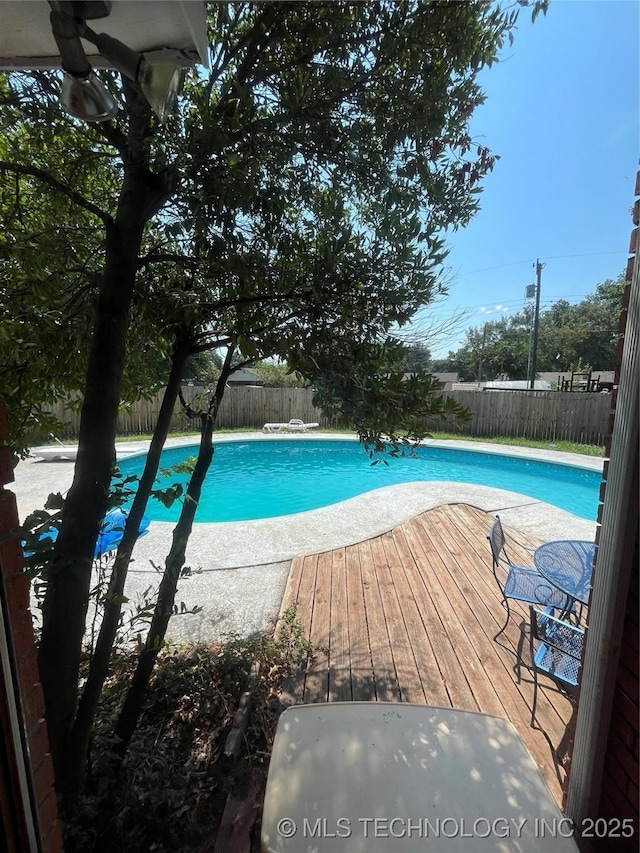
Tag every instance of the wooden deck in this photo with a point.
(409, 616)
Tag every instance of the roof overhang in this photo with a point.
(179, 26)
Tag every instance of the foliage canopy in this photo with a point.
(294, 210)
(581, 336)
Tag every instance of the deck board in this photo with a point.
(406, 667)
(415, 603)
(384, 670)
(410, 616)
(316, 682)
(362, 676)
(340, 650)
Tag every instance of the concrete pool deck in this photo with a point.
(243, 566)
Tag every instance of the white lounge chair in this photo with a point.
(56, 453)
(69, 452)
(294, 425)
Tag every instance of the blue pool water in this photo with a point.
(263, 479)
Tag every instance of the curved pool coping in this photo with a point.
(245, 564)
(234, 544)
(558, 457)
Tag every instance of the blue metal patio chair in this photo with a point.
(559, 653)
(522, 584)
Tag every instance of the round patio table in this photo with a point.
(568, 565)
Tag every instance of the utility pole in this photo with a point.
(536, 318)
(484, 338)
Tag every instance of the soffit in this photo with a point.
(26, 40)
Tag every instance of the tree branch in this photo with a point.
(114, 136)
(226, 371)
(54, 183)
(189, 412)
(213, 344)
(166, 257)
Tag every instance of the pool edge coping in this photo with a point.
(241, 544)
(559, 457)
(235, 544)
(246, 564)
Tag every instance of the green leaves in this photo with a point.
(318, 168)
(583, 334)
(169, 495)
(184, 467)
(174, 492)
(38, 532)
(388, 408)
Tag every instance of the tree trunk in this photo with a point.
(69, 575)
(134, 699)
(99, 667)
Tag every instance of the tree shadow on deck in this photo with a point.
(409, 616)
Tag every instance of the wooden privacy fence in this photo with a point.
(545, 415)
(249, 407)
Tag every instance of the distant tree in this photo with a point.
(418, 357)
(442, 365)
(203, 368)
(279, 375)
(571, 337)
(503, 344)
(583, 335)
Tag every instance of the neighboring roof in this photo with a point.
(26, 40)
(246, 375)
(446, 377)
(502, 385)
(465, 386)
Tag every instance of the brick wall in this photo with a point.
(26, 709)
(619, 799)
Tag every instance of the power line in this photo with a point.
(507, 303)
(501, 267)
(533, 260)
(585, 255)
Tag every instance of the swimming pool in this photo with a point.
(263, 479)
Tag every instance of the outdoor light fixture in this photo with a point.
(83, 95)
(158, 74)
(87, 98)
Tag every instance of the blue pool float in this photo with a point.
(110, 535)
(112, 531)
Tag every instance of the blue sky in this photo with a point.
(562, 112)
